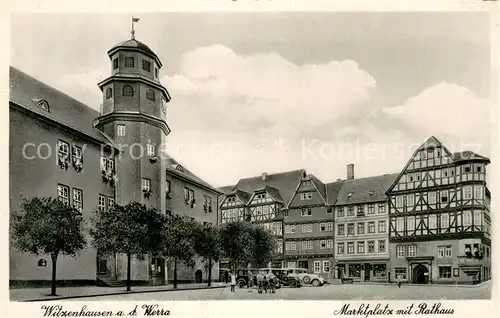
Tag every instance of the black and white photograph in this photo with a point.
(297, 155)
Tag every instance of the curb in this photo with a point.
(118, 293)
(426, 285)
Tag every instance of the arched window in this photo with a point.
(128, 90)
(150, 94)
(109, 92)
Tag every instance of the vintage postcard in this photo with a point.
(260, 151)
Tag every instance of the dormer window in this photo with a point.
(371, 192)
(179, 168)
(115, 63)
(129, 62)
(349, 194)
(43, 105)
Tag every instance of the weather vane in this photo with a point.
(133, 31)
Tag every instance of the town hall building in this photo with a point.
(60, 147)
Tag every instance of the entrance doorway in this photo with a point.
(158, 271)
(341, 271)
(367, 268)
(198, 277)
(420, 274)
(102, 264)
(304, 264)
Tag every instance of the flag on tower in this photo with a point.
(135, 19)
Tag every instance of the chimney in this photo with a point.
(350, 171)
(264, 176)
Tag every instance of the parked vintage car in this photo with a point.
(282, 278)
(305, 277)
(286, 279)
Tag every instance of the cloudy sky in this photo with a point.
(271, 92)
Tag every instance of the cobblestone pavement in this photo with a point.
(327, 292)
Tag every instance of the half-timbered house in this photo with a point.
(261, 200)
(439, 209)
(309, 228)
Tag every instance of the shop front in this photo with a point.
(363, 270)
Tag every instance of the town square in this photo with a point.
(288, 156)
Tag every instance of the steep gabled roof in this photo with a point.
(320, 186)
(365, 190)
(176, 169)
(433, 142)
(26, 92)
(285, 183)
(332, 191)
(243, 196)
(273, 192)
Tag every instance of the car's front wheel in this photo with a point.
(293, 284)
(316, 283)
(241, 283)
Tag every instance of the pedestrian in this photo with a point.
(233, 282)
(399, 281)
(250, 281)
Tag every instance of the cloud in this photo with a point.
(83, 87)
(447, 110)
(231, 91)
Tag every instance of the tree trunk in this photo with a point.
(209, 272)
(116, 266)
(129, 260)
(175, 272)
(53, 256)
